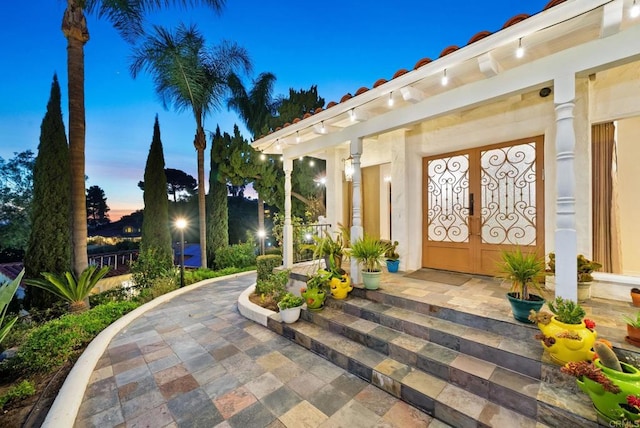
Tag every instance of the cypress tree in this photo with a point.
(49, 248)
(155, 246)
(217, 206)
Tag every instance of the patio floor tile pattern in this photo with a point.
(195, 361)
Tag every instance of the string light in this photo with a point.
(322, 128)
(390, 102)
(263, 156)
(297, 136)
(520, 50)
(352, 115)
(277, 144)
(311, 162)
(445, 79)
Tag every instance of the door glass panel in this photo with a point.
(447, 196)
(508, 195)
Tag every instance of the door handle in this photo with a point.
(470, 207)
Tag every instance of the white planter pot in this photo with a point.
(371, 280)
(290, 315)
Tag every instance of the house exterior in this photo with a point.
(484, 149)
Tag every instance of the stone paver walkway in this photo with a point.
(196, 362)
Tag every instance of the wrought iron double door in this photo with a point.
(481, 201)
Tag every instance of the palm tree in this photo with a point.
(190, 76)
(256, 108)
(127, 18)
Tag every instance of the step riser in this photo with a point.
(512, 330)
(479, 386)
(514, 362)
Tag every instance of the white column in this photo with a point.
(356, 223)
(565, 235)
(399, 195)
(287, 255)
(334, 188)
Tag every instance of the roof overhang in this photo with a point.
(575, 36)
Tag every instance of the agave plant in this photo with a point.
(6, 294)
(68, 288)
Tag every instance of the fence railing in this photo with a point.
(303, 240)
(117, 260)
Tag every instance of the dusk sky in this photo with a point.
(337, 45)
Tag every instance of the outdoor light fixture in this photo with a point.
(322, 128)
(348, 168)
(390, 102)
(445, 79)
(635, 9)
(297, 136)
(277, 144)
(352, 115)
(520, 50)
(263, 156)
(262, 234)
(301, 158)
(311, 162)
(181, 223)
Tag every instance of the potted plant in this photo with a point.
(290, 306)
(316, 290)
(613, 386)
(566, 334)
(392, 257)
(328, 248)
(369, 252)
(633, 329)
(585, 268)
(524, 271)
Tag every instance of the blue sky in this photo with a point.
(339, 45)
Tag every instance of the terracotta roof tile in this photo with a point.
(379, 82)
(278, 128)
(306, 115)
(318, 110)
(479, 36)
(400, 73)
(362, 90)
(286, 124)
(553, 3)
(331, 104)
(345, 97)
(448, 50)
(515, 19)
(296, 120)
(423, 61)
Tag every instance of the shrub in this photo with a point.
(274, 286)
(266, 264)
(160, 286)
(19, 392)
(239, 256)
(49, 346)
(148, 267)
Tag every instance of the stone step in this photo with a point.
(491, 381)
(519, 355)
(447, 402)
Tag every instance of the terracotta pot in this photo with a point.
(635, 298)
(633, 335)
(565, 349)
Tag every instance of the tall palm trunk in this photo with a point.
(74, 28)
(200, 143)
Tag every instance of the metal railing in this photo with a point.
(303, 240)
(114, 260)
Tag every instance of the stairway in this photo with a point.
(464, 369)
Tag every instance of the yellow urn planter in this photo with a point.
(340, 287)
(568, 342)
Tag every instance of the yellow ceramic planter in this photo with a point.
(340, 287)
(564, 349)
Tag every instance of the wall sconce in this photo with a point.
(348, 168)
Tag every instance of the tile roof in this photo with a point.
(424, 61)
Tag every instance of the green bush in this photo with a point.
(266, 264)
(160, 286)
(16, 393)
(193, 276)
(149, 267)
(238, 256)
(274, 286)
(49, 346)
